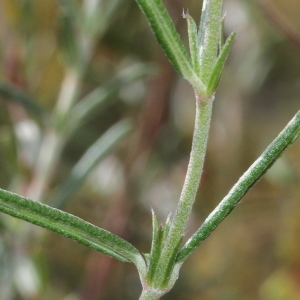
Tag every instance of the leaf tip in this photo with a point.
(186, 14)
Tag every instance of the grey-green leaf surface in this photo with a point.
(287, 136)
(209, 36)
(219, 64)
(156, 247)
(102, 147)
(166, 34)
(69, 226)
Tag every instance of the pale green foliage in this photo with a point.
(158, 269)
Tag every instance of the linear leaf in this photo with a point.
(95, 101)
(219, 64)
(70, 7)
(193, 42)
(166, 34)
(98, 15)
(69, 226)
(222, 38)
(287, 136)
(167, 227)
(90, 159)
(168, 38)
(156, 247)
(15, 94)
(209, 36)
(162, 282)
(68, 40)
(107, 13)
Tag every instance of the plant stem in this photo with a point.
(151, 294)
(188, 194)
(287, 136)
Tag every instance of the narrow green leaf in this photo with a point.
(154, 227)
(222, 40)
(167, 227)
(193, 42)
(67, 39)
(97, 100)
(69, 226)
(156, 247)
(90, 159)
(287, 136)
(209, 36)
(98, 15)
(162, 282)
(111, 9)
(166, 34)
(219, 64)
(15, 94)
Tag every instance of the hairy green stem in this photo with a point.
(287, 136)
(189, 192)
(151, 294)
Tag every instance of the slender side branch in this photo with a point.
(288, 135)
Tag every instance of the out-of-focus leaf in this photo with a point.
(98, 98)
(1, 225)
(90, 159)
(69, 226)
(67, 39)
(167, 36)
(156, 247)
(98, 15)
(70, 7)
(15, 94)
(209, 36)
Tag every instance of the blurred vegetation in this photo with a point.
(48, 49)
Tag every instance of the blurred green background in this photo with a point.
(53, 56)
